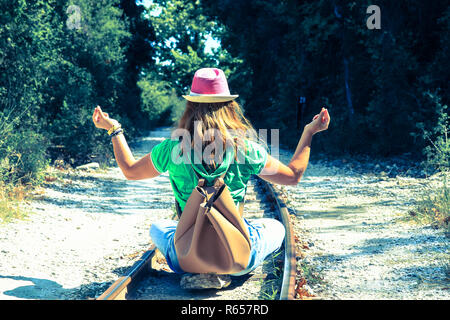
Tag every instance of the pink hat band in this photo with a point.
(210, 85)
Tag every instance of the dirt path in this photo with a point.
(360, 244)
(88, 226)
(86, 229)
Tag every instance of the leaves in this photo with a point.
(52, 76)
(182, 30)
(302, 291)
(323, 51)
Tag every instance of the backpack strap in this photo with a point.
(201, 181)
(178, 209)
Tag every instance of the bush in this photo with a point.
(160, 104)
(23, 157)
(10, 200)
(438, 153)
(434, 206)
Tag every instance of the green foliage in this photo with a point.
(159, 101)
(180, 49)
(182, 31)
(385, 89)
(22, 152)
(370, 80)
(56, 65)
(438, 151)
(23, 157)
(138, 54)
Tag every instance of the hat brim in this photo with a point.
(210, 98)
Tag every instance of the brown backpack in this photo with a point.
(211, 235)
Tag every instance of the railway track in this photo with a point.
(151, 279)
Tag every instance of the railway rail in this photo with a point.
(150, 279)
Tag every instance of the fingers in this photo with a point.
(95, 116)
(99, 115)
(326, 121)
(104, 115)
(99, 111)
(324, 115)
(321, 121)
(327, 116)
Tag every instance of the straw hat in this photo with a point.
(209, 85)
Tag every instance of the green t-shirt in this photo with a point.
(166, 156)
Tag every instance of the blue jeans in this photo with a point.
(266, 236)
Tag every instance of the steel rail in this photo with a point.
(290, 262)
(127, 283)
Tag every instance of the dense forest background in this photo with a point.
(386, 89)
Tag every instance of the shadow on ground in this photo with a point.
(44, 289)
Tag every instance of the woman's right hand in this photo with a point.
(102, 120)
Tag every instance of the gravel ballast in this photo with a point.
(360, 244)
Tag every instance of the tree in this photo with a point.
(182, 31)
(138, 58)
(180, 46)
(58, 60)
(372, 80)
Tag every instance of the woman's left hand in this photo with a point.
(102, 120)
(320, 122)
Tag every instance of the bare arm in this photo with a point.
(132, 169)
(279, 173)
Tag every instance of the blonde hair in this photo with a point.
(225, 118)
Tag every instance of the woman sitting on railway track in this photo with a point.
(210, 106)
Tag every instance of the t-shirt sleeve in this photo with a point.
(256, 157)
(161, 154)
